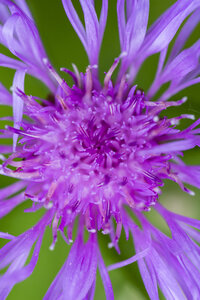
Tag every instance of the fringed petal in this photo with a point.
(6, 236)
(188, 174)
(176, 146)
(12, 63)
(162, 32)
(177, 70)
(7, 205)
(5, 96)
(15, 253)
(105, 278)
(164, 29)
(180, 254)
(132, 29)
(78, 273)
(17, 271)
(24, 7)
(18, 82)
(184, 34)
(90, 36)
(142, 242)
(19, 34)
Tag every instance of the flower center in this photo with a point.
(92, 150)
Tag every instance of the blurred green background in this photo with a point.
(63, 47)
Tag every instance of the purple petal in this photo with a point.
(7, 236)
(177, 70)
(11, 189)
(173, 146)
(146, 269)
(75, 21)
(5, 96)
(174, 90)
(91, 36)
(103, 19)
(15, 254)
(8, 62)
(183, 64)
(78, 273)
(18, 83)
(121, 21)
(188, 174)
(105, 278)
(163, 30)
(132, 31)
(7, 205)
(128, 261)
(24, 7)
(185, 33)
(15, 275)
(4, 13)
(19, 34)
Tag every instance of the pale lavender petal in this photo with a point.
(24, 7)
(78, 273)
(168, 284)
(146, 268)
(162, 32)
(128, 261)
(185, 33)
(170, 257)
(7, 205)
(102, 20)
(5, 96)
(4, 13)
(19, 34)
(75, 21)
(7, 236)
(105, 278)
(121, 21)
(18, 83)
(12, 63)
(15, 275)
(188, 174)
(8, 34)
(183, 64)
(5, 149)
(177, 69)
(15, 254)
(91, 29)
(174, 90)
(162, 57)
(181, 145)
(91, 36)
(11, 189)
(132, 32)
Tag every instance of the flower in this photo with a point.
(97, 153)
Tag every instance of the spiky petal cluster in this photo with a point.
(89, 151)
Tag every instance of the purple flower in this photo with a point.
(90, 151)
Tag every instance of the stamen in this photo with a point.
(78, 77)
(88, 83)
(51, 191)
(110, 72)
(62, 102)
(55, 231)
(121, 88)
(60, 81)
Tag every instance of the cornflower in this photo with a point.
(96, 154)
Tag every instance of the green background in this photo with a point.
(63, 47)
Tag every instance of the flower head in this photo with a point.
(90, 150)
